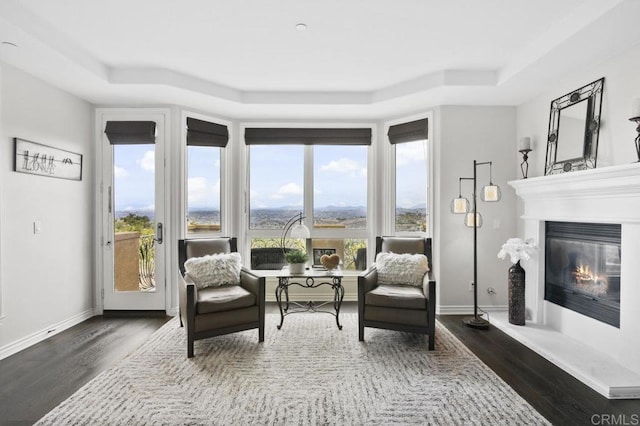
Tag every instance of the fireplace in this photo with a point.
(582, 268)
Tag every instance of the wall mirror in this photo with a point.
(574, 125)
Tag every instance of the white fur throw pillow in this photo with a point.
(214, 270)
(396, 269)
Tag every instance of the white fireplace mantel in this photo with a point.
(607, 195)
(602, 356)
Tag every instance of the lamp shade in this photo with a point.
(299, 230)
(491, 193)
(469, 222)
(459, 205)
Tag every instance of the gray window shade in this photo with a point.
(306, 136)
(206, 133)
(408, 132)
(131, 132)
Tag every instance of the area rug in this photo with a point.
(307, 373)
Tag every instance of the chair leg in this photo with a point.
(189, 347)
(360, 331)
(261, 333)
(432, 339)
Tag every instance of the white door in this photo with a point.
(133, 232)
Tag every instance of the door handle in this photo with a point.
(159, 233)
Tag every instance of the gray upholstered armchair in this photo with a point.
(214, 311)
(403, 308)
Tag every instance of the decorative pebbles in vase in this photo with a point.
(517, 249)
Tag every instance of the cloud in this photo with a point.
(120, 172)
(343, 165)
(201, 191)
(288, 189)
(148, 161)
(410, 153)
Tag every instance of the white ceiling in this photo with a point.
(358, 58)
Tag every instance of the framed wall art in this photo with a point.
(43, 160)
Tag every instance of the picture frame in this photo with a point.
(319, 252)
(43, 160)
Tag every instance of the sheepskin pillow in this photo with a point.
(214, 270)
(406, 269)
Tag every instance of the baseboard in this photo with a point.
(44, 334)
(467, 309)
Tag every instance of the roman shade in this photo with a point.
(408, 132)
(206, 133)
(307, 136)
(131, 132)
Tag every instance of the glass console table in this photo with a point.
(312, 278)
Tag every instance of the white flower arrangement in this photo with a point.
(518, 249)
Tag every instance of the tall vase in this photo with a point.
(516, 294)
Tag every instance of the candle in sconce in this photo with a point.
(525, 144)
(635, 109)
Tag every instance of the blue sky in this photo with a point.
(340, 176)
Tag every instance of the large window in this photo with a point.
(327, 182)
(205, 147)
(410, 143)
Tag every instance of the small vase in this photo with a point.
(516, 294)
(296, 268)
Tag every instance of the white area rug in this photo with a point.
(308, 373)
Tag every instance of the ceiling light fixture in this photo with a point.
(301, 27)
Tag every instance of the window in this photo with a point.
(410, 143)
(340, 187)
(321, 173)
(205, 146)
(276, 185)
(203, 189)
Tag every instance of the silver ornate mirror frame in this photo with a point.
(574, 124)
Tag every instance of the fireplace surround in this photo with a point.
(603, 356)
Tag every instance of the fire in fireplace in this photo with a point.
(582, 268)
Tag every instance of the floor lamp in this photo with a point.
(473, 219)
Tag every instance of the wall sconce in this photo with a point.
(635, 116)
(524, 147)
(473, 219)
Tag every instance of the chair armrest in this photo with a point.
(429, 285)
(368, 280)
(251, 282)
(187, 295)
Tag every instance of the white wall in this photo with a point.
(46, 278)
(617, 133)
(464, 134)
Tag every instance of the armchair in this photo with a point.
(214, 311)
(398, 307)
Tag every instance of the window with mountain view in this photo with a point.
(340, 187)
(411, 191)
(330, 177)
(203, 189)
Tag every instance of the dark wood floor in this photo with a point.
(37, 379)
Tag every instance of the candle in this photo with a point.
(635, 109)
(525, 143)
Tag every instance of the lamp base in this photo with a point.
(476, 322)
